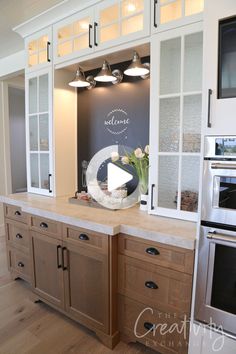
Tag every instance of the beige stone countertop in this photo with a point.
(129, 221)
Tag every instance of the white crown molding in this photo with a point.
(52, 15)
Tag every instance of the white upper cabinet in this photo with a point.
(109, 23)
(74, 36)
(175, 122)
(39, 132)
(38, 48)
(219, 77)
(120, 21)
(168, 14)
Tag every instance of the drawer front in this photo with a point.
(19, 263)
(86, 237)
(157, 253)
(158, 330)
(46, 226)
(153, 285)
(17, 235)
(15, 213)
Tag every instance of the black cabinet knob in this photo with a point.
(43, 225)
(152, 251)
(149, 326)
(83, 237)
(19, 236)
(151, 285)
(21, 265)
(17, 213)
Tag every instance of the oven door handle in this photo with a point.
(223, 166)
(212, 235)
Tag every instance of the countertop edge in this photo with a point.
(169, 239)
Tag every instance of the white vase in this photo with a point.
(143, 202)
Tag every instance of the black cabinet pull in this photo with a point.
(151, 285)
(43, 225)
(149, 326)
(48, 49)
(209, 108)
(49, 183)
(95, 34)
(155, 12)
(152, 188)
(19, 236)
(21, 265)
(64, 253)
(90, 28)
(83, 237)
(17, 213)
(152, 251)
(59, 265)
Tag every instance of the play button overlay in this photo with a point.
(110, 191)
(117, 177)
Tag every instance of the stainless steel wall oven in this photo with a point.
(216, 279)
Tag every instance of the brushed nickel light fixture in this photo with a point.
(106, 75)
(136, 68)
(81, 81)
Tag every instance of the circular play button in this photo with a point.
(111, 190)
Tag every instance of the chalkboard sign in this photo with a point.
(112, 114)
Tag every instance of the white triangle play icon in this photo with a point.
(116, 177)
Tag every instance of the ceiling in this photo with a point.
(13, 13)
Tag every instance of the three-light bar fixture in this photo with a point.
(136, 68)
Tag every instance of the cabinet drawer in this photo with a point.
(19, 263)
(86, 237)
(17, 234)
(46, 226)
(165, 289)
(15, 213)
(169, 334)
(157, 253)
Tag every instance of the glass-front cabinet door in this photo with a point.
(167, 14)
(74, 36)
(39, 50)
(176, 111)
(39, 132)
(118, 21)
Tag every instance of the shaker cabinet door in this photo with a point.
(219, 68)
(86, 286)
(46, 254)
(39, 132)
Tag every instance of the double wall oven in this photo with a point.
(216, 279)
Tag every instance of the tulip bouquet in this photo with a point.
(139, 160)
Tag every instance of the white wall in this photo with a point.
(16, 101)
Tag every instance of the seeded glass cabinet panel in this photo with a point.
(39, 130)
(176, 111)
(39, 50)
(169, 14)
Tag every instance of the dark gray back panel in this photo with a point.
(112, 114)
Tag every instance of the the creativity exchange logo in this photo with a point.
(117, 121)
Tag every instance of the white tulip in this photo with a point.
(115, 156)
(147, 149)
(125, 160)
(138, 153)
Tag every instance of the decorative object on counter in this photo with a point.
(106, 75)
(139, 160)
(81, 81)
(136, 68)
(189, 200)
(84, 166)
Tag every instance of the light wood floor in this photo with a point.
(29, 328)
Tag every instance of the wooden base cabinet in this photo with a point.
(47, 272)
